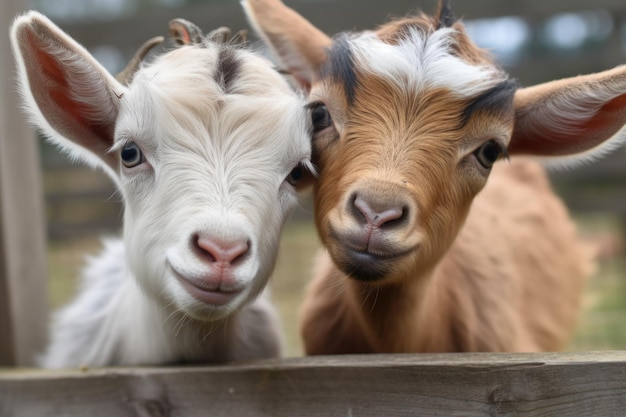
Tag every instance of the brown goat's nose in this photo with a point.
(378, 211)
(220, 251)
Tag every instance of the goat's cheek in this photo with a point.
(141, 249)
(450, 217)
(326, 199)
(287, 200)
(268, 219)
(148, 231)
(334, 180)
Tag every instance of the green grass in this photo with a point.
(293, 270)
(602, 323)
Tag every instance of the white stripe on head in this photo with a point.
(421, 61)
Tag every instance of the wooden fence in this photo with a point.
(23, 289)
(443, 385)
(570, 384)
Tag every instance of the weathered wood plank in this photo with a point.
(571, 384)
(23, 290)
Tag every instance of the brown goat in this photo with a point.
(422, 253)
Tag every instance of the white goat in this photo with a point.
(205, 146)
(431, 244)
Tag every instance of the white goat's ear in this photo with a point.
(68, 94)
(299, 45)
(574, 118)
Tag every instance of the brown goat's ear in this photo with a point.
(581, 117)
(299, 45)
(69, 95)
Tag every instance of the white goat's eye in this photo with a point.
(488, 153)
(296, 175)
(131, 155)
(320, 117)
(300, 176)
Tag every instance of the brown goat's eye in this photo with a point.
(488, 153)
(320, 118)
(131, 155)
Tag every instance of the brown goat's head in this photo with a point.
(406, 131)
(408, 122)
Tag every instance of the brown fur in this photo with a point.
(457, 292)
(511, 281)
(479, 265)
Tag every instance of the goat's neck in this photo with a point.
(174, 337)
(150, 333)
(401, 313)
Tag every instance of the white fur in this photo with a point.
(421, 61)
(216, 164)
(562, 115)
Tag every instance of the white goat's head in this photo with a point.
(205, 146)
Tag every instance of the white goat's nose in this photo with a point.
(215, 250)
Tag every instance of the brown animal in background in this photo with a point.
(423, 254)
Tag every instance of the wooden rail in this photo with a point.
(23, 289)
(569, 385)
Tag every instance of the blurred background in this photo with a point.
(536, 40)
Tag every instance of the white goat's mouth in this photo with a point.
(208, 294)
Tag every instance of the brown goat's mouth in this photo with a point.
(364, 266)
(365, 260)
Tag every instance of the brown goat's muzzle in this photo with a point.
(372, 229)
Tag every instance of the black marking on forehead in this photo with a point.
(498, 99)
(340, 66)
(228, 66)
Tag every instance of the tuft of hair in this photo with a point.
(445, 17)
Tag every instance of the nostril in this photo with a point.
(388, 217)
(201, 248)
(383, 213)
(361, 210)
(217, 250)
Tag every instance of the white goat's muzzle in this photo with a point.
(214, 268)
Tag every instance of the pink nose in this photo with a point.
(379, 213)
(221, 251)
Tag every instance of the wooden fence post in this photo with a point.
(23, 286)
